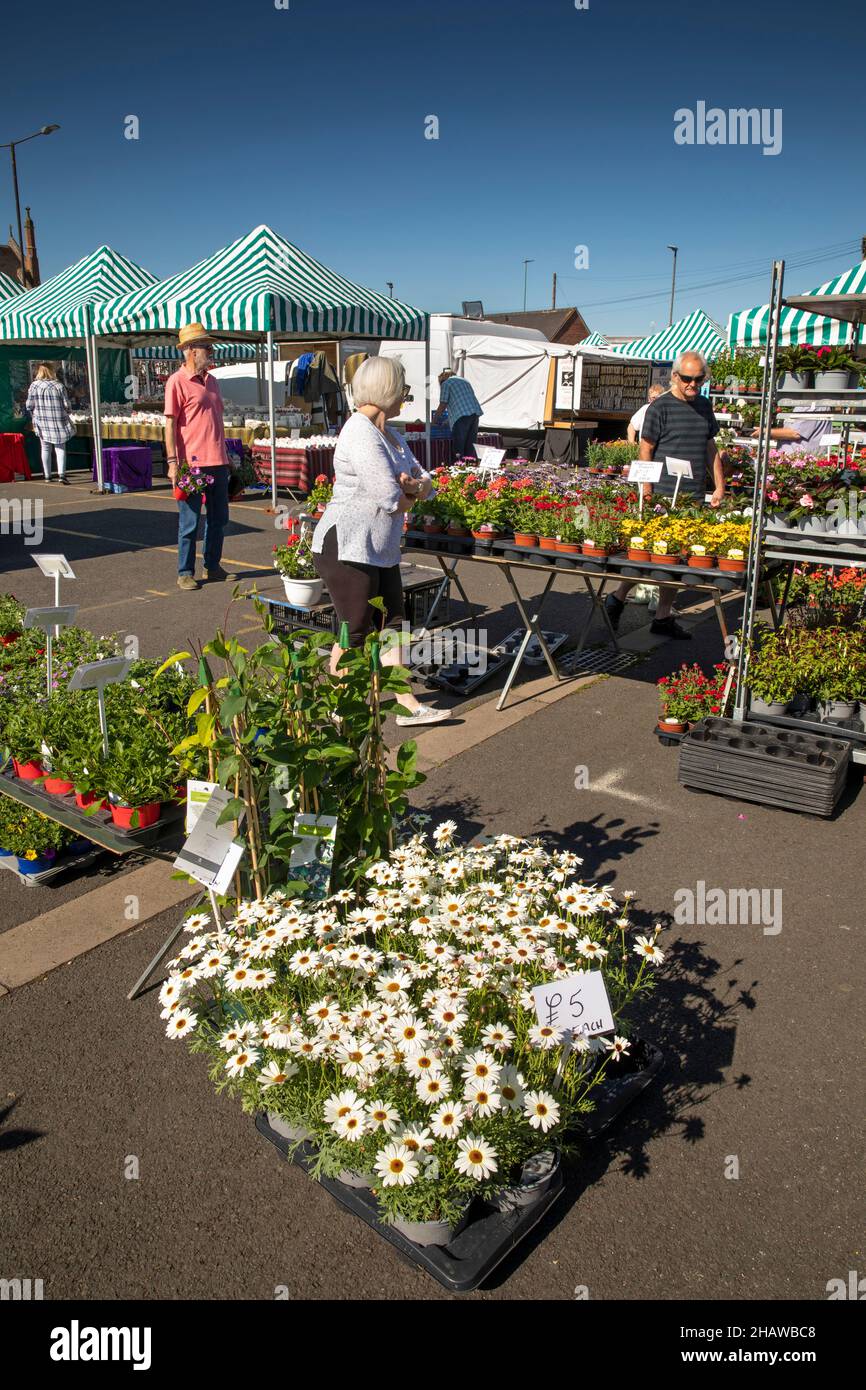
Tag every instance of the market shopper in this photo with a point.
(356, 544)
(195, 436)
(464, 411)
(48, 406)
(635, 424)
(679, 424)
(804, 428)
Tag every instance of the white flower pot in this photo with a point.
(303, 593)
(296, 1133)
(758, 706)
(536, 1177)
(431, 1232)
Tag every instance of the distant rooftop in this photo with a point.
(557, 325)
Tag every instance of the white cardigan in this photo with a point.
(366, 498)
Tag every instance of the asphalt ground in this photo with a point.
(762, 1033)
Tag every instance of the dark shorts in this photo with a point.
(351, 586)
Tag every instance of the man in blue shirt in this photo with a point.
(464, 411)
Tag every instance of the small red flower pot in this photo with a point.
(85, 799)
(638, 554)
(458, 531)
(732, 566)
(568, 547)
(666, 559)
(57, 786)
(431, 529)
(525, 538)
(671, 726)
(702, 562)
(179, 494)
(147, 815)
(596, 552)
(28, 772)
(547, 542)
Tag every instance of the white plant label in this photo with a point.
(645, 471)
(489, 459)
(197, 796)
(679, 468)
(210, 854)
(577, 1005)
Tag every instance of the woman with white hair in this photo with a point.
(356, 544)
(48, 405)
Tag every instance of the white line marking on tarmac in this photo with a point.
(608, 785)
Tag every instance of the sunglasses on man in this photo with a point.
(701, 376)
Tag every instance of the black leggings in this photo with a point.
(351, 585)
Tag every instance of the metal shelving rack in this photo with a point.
(851, 308)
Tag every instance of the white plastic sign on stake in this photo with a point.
(577, 1005)
(55, 567)
(644, 471)
(679, 469)
(96, 675)
(489, 459)
(50, 620)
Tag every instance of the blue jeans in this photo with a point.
(188, 514)
(464, 432)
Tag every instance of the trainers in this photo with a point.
(669, 627)
(614, 608)
(425, 714)
(217, 574)
(186, 581)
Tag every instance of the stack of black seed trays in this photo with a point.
(776, 767)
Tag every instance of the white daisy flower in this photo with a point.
(197, 921)
(355, 1059)
(396, 1166)
(543, 1036)
(481, 1067)
(276, 1075)
(182, 1021)
(619, 1047)
(262, 979)
(304, 962)
(352, 1126)
(392, 986)
(322, 1011)
(447, 1120)
(238, 1063)
(476, 1158)
(235, 1037)
(416, 1138)
(444, 833)
(512, 1088)
(338, 1105)
(381, 1115)
(497, 1035)
(590, 949)
(422, 1063)
(645, 946)
(173, 989)
(481, 1100)
(432, 1090)
(541, 1110)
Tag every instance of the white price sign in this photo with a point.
(679, 468)
(577, 1005)
(489, 459)
(210, 854)
(645, 471)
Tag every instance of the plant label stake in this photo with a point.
(578, 1005)
(53, 566)
(50, 620)
(679, 469)
(96, 675)
(644, 471)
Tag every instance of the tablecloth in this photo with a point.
(13, 459)
(129, 468)
(297, 467)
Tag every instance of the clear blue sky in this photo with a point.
(555, 130)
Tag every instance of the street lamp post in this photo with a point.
(526, 265)
(10, 146)
(675, 249)
(390, 284)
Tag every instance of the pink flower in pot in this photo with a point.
(807, 501)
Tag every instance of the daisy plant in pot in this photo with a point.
(395, 1024)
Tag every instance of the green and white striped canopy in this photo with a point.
(9, 288)
(223, 352)
(261, 282)
(595, 340)
(696, 332)
(748, 328)
(61, 307)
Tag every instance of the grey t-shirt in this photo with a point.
(810, 429)
(681, 430)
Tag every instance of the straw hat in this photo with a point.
(192, 335)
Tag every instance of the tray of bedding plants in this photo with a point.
(473, 1245)
(104, 822)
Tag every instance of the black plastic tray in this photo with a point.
(616, 1093)
(483, 1243)
(99, 828)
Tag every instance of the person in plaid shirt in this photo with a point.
(464, 411)
(48, 406)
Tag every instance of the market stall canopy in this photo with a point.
(697, 332)
(820, 317)
(595, 340)
(258, 284)
(223, 352)
(9, 288)
(61, 307)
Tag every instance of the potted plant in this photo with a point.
(24, 733)
(699, 559)
(689, 694)
(796, 365)
(31, 838)
(638, 548)
(293, 561)
(834, 367)
(660, 555)
(602, 536)
(774, 678)
(319, 495)
(139, 774)
(571, 533)
(525, 523)
(547, 524)
(11, 620)
(733, 561)
(189, 481)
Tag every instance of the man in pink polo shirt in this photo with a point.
(195, 435)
